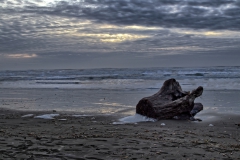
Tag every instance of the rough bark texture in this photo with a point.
(171, 102)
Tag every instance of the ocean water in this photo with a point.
(115, 91)
(211, 78)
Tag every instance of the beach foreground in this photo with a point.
(96, 137)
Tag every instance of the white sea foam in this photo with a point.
(82, 115)
(27, 115)
(47, 116)
(62, 119)
(134, 119)
(189, 84)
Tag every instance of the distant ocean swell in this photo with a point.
(213, 78)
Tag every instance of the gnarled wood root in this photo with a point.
(171, 102)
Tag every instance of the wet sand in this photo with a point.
(104, 101)
(96, 137)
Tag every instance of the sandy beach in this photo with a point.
(75, 135)
(96, 137)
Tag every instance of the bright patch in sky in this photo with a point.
(114, 38)
(212, 33)
(22, 55)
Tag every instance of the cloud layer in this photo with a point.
(137, 29)
(205, 14)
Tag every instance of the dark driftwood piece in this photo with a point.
(171, 102)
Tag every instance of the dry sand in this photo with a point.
(96, 137)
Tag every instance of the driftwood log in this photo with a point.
(171, 102)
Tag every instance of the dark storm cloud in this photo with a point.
(206, 14)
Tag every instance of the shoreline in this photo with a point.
(105, 101)
(206, 117)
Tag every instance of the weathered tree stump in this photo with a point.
(171, 102)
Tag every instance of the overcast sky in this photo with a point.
(68, 34)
